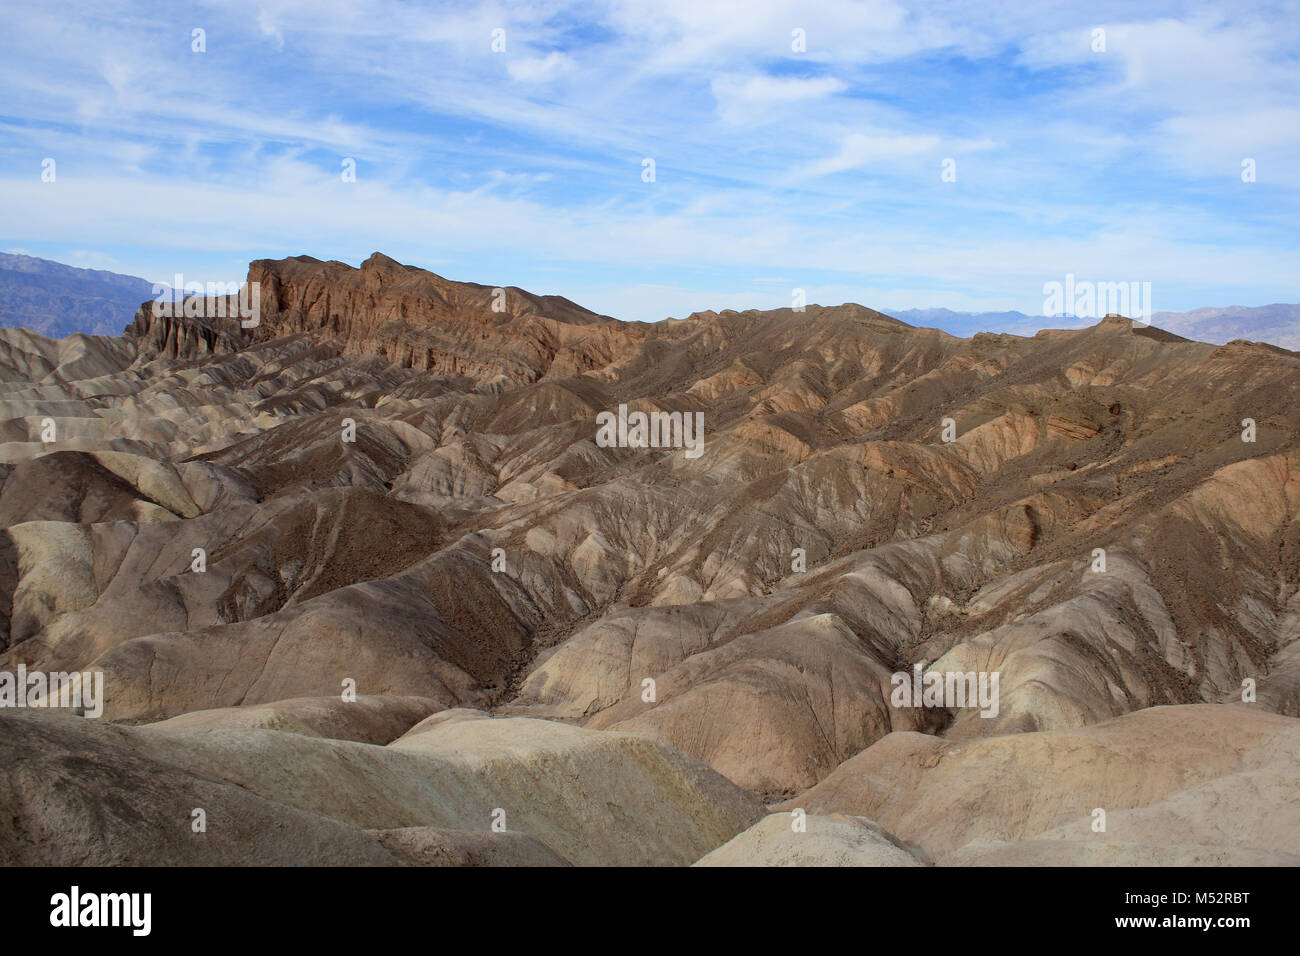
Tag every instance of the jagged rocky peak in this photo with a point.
(409, 316)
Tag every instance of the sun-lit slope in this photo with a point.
(870, 496)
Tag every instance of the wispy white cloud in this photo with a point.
(540, 69)
(759, 98)
(861, 149)
(266, 24)
(817, 160)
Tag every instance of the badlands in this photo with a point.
(364, 589)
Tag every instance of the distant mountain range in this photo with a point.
(57, 300)
(1277, 324)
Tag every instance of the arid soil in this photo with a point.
(568, 653)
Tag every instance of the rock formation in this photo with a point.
(360, 574)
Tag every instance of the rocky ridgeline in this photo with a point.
(404, 315)
(391, 483)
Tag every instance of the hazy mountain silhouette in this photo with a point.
(57, 300)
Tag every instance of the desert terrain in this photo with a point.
(365, 590)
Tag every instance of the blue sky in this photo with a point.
(774, 168)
